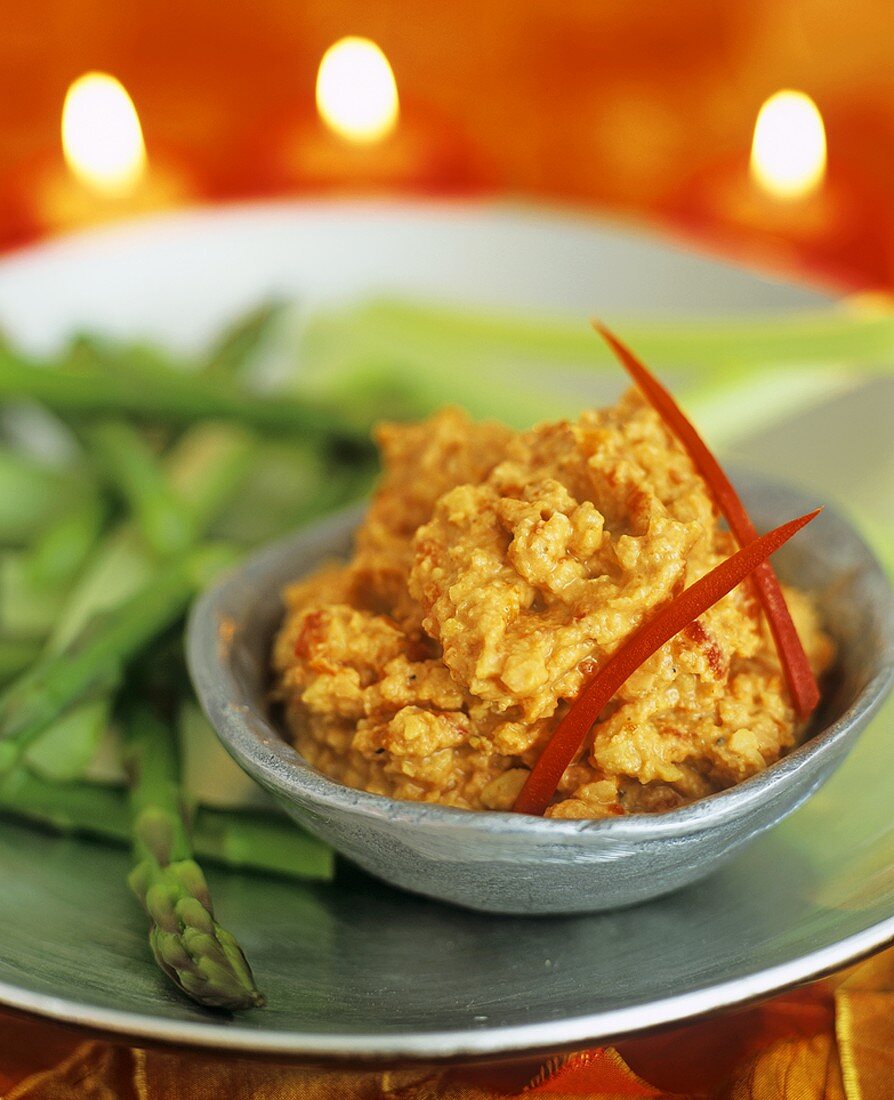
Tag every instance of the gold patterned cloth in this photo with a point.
(833, 1040)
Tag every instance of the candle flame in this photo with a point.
(788, 153)
(101, 135)
(356, 91)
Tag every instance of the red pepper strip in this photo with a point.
(795, 665)
(541, 784)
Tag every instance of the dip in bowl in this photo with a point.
(494, 575)
(504, 862)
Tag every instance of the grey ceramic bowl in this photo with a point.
(509, 863)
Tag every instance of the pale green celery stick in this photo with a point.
(388, 376)
(64, 750)
(29, 496)
(734, 405)
(131, 467)
(246, 840)
(16, 654)
(210, 776)
(798, 339)
(27, 609)
(196, 953)
(413, 357)
(95, 662)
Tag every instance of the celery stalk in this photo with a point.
(737, 404)
(795, 339)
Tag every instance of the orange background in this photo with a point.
(644, 109)
(634, 107)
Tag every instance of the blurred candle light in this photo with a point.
(787, 202)
(788, 152)
(362, 138)
(104, 172)
(356, 91)
(102, 139)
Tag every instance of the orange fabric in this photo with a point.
(831, 1041)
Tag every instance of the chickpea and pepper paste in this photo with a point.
(494, 571)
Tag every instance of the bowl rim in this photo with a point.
(253, 740)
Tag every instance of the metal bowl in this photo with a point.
(510, 863)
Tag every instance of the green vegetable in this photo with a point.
(16, 654)
(29, 495)
(27, 609)
(443, 333)
(240, 345)
(35, 581)
(96, 660)
(200, 957)
(208, 468)
(184, 399)
(120, 565)
(129, 465)
(251, 840)
(737, 403)
(66, 747)
(205, 470)
(59, 552)
(209, 775)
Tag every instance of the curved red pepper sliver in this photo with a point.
(693, 601)
(795, 665)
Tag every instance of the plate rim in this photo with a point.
(126, 230)
(468, 1043)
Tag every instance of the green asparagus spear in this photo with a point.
(64, 750)
(194, 951)
(29, 495)
(97, 658)
(59, 552)
(27, 610)
(184, 398)
(130, 466)
(241, 343)
(35, 581)
(205, 468)
(208, 466)
(251, 840)
(16, 654)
